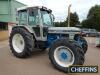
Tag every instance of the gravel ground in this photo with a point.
(39, 63)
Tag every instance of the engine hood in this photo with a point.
(64, 30)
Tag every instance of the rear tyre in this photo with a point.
(21, 42)
(63, 54)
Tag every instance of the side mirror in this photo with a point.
(53, 17)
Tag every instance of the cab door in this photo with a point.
(46, 22)
(34, 22)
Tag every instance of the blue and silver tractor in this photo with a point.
(35, 29)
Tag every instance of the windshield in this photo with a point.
(46, 18)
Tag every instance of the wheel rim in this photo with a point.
(18, 43)
(64, 56)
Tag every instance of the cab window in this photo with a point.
(22, 17)
(33, 18)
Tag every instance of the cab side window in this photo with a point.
(33, 17)
(23, 17)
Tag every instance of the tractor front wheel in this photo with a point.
(84, 45)
(63, 54)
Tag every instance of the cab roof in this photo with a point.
(37, 7)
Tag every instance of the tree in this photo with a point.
(60, 24)
(74, 19)
(93, 18)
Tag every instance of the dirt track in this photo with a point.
(39, 63)
(3, 35)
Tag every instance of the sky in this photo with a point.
(60, 7)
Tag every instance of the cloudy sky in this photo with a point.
(60, 7)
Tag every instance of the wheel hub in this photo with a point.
(21, 42)
(64, 56)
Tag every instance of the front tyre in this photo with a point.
(21, 42)
(63, 54)
(84, 45)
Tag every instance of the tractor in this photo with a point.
(35, 30)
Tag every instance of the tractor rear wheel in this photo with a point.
(21, 42)
(63, 54)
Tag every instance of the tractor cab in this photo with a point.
(36, 20)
